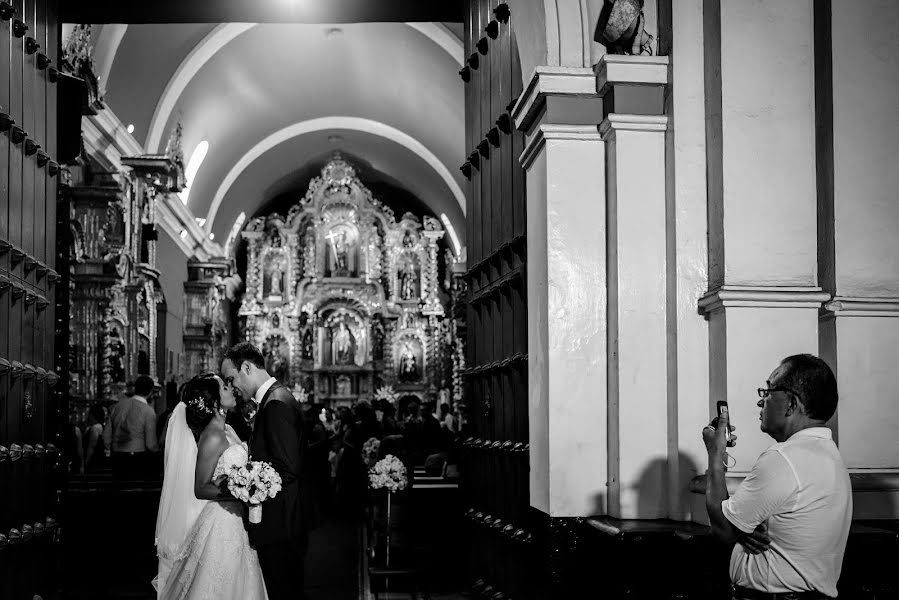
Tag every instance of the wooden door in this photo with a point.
(31, 432)
(495, 483)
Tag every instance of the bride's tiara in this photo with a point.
(196, 403)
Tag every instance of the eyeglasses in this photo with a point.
(765, 392)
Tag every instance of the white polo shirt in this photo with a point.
(801, 488)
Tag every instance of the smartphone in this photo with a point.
(722, 410)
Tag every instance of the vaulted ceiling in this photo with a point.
(273, 99)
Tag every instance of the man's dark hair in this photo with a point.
(814, 382)
(143, 385)
(245, 351)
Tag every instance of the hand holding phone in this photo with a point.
(723, 410)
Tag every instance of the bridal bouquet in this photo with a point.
(388, 473)
(253, 483)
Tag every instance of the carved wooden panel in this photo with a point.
(30, 428)
(496, 474)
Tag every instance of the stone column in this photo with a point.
(763, 297)
(566, 283)
(634, 129)
(859, 245)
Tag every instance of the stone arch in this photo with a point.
(558, 34)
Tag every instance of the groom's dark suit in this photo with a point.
(282, 536)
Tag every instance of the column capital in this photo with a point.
(616, 69)
(548, 132)
(632, 84)
(571, 82)
(762, 297)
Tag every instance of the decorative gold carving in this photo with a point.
(328, 284)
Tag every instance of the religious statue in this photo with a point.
(408, 240)
(275, 288)
(307, 345)
(377, 336)
(340, 250)
(343, 386)
(408, 278)
(342, 346)
(408, 366)
(116, 357)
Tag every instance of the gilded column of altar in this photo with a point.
(430, 282)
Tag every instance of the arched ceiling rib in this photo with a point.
(333, 124)
(266, 97)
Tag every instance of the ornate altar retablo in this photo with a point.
(343, 298)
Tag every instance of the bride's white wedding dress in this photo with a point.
(216, 560)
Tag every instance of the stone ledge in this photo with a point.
(623, 122)
(551, 81)
(854, 306)
(762, 297)
(548, 132)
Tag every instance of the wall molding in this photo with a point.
(548, 133)
(729, 296)
(574, 82)
(856, 306)
(623, 122)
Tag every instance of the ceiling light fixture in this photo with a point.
(130, 128)
(333, 32)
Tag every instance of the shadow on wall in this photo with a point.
(652, 488)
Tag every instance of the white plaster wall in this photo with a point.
(866, 145)
(538, 375)
(757, 339)
(576, 310)
(688, 396)
(173, 273)
(768, 146)
(868, 383)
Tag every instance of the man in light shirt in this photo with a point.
(130, 433)
(791, 515)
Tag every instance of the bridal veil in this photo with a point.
(178, 506)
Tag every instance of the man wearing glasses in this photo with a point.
(791, 515)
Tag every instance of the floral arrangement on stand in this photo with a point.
(370, 451)
(253, 483)
(389, 474)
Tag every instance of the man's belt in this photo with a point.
(742, 593)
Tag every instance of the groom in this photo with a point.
(278, 438)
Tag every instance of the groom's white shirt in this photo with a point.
(260, 393)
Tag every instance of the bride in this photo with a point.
(201, 542)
